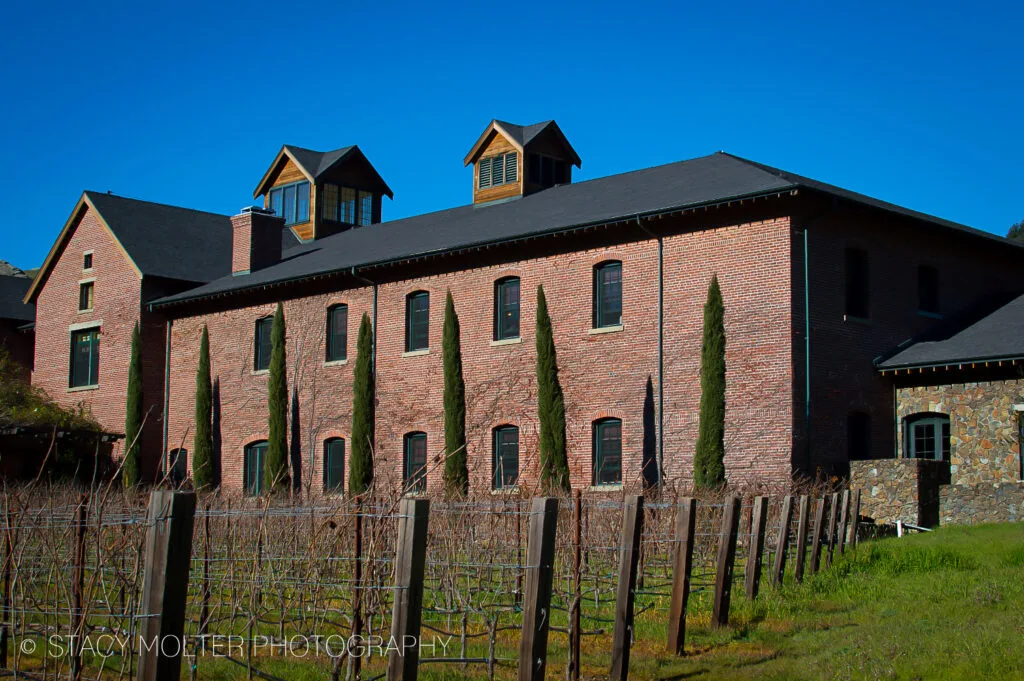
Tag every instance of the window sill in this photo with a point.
(506, 341)
(617, 487)
(416, 353)
(259, 372)
(505, 491)
(863, 321)
(929, 315)
(89, 311)
(607, 329)
(83, 388)
(336, 363)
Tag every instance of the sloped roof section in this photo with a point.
(315, 164)
(12, 293)
(521, 136)
(9, 270)
(996, 336)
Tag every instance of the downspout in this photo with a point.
(373, 321)
(661, 350)
(167, 394)
(807, 349)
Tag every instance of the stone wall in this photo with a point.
(899, 489)
(973, 504)
(984, 440)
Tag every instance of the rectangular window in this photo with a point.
(337, 333)
(348, 206)
(87, 261)
(608, 452)
(858, 289)
(365, 208)
(608, 294)
(334, 465)
(416, 462)
(85, 358)
(506, 308)
(262, 345)
(85, 296)
(254, 459)
(928, 289)
(329, 202)
(506, 457)
(291, 201)
(498, 170)
(417, 321)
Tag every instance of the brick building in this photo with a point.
(817, 282)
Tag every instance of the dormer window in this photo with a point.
(291, 201)
(498, 170)
(347, 205)
(546, 171)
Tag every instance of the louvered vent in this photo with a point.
(511, 167)
(485, 173)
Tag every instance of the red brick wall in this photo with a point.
(843, 379)
(603, 375)
(117, 305)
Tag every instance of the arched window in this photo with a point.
(252, 467)
(337, 333)
(177, 465)
(926, 436)
(417, 321)
(334, 464)
(608, 294)
(858, 436)
(506, 457)
(607, 458)
(414, 463)
(506, 308)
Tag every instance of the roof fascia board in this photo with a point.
(951, 363)
(493, 128)
(261, 188)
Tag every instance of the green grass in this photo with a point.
(944, 605)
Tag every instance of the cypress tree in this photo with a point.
(456, 474)
(131, 472)
(709, 458)
(360, 475)
(554, 464)
(275, 471)
(203, 474)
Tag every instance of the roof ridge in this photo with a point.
(91, 193)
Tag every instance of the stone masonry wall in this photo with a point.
(983, 503)
(898, 489)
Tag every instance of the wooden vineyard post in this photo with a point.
(5, 633)
(575, 635)
(783, 540)
(632, 532)
(819, 522)
(686, 516)
(832, 517)
(410, 560)
(844, 517)
(540, 557)
(165, 585)
(77, 588)
(726, 561)
(759, 520)
(854, 520)
(801, 538)
(355, 661)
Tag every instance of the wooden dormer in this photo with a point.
(323, 192)
(515, 160)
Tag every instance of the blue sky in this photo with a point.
(921, 104)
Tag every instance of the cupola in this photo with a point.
(516, 160)
(319, 193)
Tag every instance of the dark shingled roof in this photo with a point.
(316, 163)
(523, 134)
(999, 335)
(12, 292)
(701, 181)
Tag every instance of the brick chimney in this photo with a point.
(256, 240)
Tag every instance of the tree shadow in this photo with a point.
(649, 459)
(217, 438)
(295, 449)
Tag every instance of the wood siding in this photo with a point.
(498, 144)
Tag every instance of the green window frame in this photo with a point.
(262, 344)
(608, 294)
(927, 436)
(177, 465)
(506, 457)
(414, 463)
(607, 447)
(337, 332)
(254, 459)
(84, 370)
(334, 465)
(417, 321)
(506, 308)
(291, 201)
